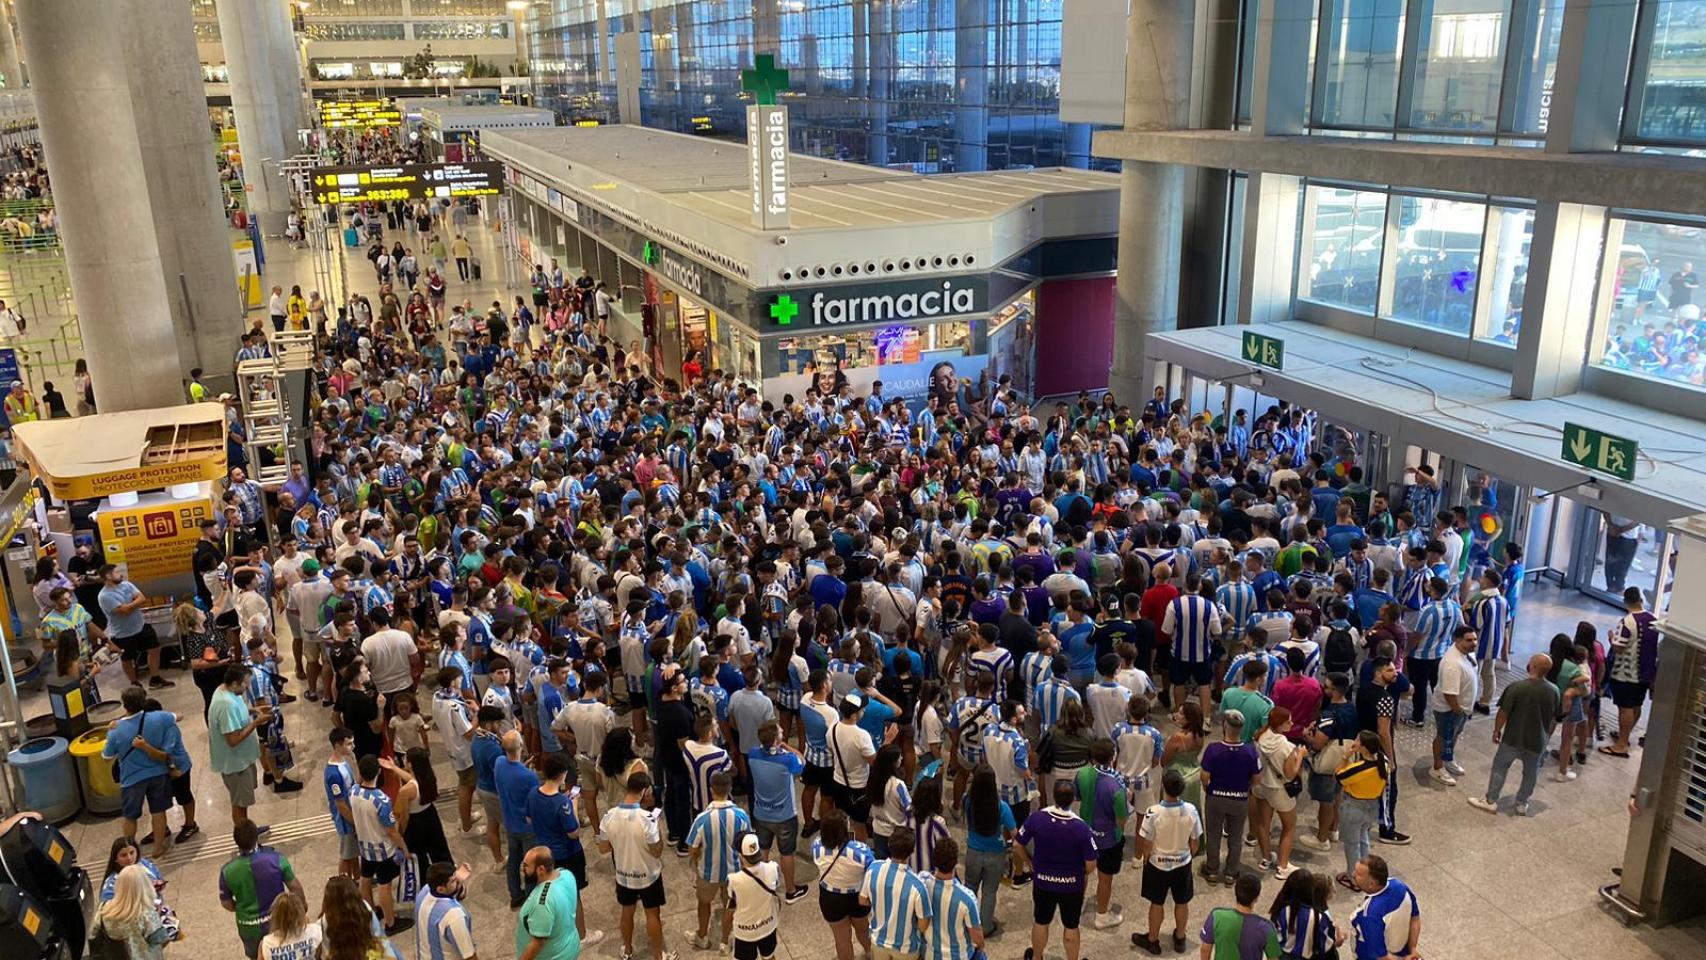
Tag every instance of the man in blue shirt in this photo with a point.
(554, 693)
(773, 766)
(486, 749)
(1388, 923)
(123, 602)
(955, 932)
(339, 780)
(900, 907)
(514, 782)
(142, 742)
(827, 589)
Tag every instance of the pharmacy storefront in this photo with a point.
(920, 299)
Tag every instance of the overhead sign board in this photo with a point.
(1600, 452)
(359, 113)
(906, 301)
(409, 181)
(767, 153)
(1264, 350)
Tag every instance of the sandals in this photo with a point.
(1620, 754)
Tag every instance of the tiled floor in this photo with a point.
(1491, 888)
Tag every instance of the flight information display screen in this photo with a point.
(409, 181)
(359, 113)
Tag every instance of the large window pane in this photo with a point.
(1535, 48)
(1655, 327)
(1461, 65)
(1346, 229)
(1436, 265)
(1513, 232)
(1359, 62)
(1673, 106)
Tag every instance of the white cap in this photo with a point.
(749, 845)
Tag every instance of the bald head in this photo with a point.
(1539, 665)
(512, 744)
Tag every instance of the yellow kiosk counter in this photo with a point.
(151, 475)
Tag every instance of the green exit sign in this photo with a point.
(1264, 350)
(1600, 452)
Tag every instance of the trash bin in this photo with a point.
(50, 782)
(101, 794)
(104, 714)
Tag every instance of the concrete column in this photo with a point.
(286, 61)
(1563, 265)
(9, 63)
(82, 98)
(1564, 256)
(1269, 266)
(881, 36)
(971, 85)
(1159, 38)
(183, 182)
(254, 99)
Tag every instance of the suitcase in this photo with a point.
(352, 238)
(475, 266)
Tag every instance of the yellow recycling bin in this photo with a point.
(101, 793)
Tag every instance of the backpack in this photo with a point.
(1339, 654)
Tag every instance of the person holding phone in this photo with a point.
(233, 746)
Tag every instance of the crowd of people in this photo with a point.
(896, 657)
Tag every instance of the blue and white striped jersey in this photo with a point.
(1193, 622)
(1237, 600)
(1034, 669)
(443, 930)
(953, 913)
(714, 832)
(1490, 616)
(1435, 624)
(374, 821)
(898, 902)
(1052, 698)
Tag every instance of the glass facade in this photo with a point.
(1655, 326)
(461, 30)
(931, 86)
(1510, 230)
(1673, 87)
(1357, 77)
(1344, 233)
(1436, 261)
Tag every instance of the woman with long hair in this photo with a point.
(1281, 764)
(205, 648)
(1362, 782)
(47, 578)
(925, 820)
(841, 865)
(131, 917)
(351, 932)
(417, 811)
(290, 934)
(617, 761)
(1071, 738)
(1183, 750)
(1299, 913)
(989, 835)
(890, 801)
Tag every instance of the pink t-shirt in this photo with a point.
(1302, 696)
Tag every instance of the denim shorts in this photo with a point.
(785, 833)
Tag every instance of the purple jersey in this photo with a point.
(1060, 845)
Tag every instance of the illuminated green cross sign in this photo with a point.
(784, 310)
(649, 253)
(764, 79)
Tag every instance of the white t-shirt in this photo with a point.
(450, 716)
(850, 750)
(304, 946)
(630, 831)
(1170, 828)
(1457, 676)
(1106, 701)
(388, 653)
(755, 897)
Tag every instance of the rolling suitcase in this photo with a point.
(475, 266)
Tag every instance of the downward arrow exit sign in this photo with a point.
(1263, 350)
(1600, 452)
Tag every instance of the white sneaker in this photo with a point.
(592, 939)
(1335, 836)
(1455, 768)
(498, 868)
(1314, 843)
(1107, 921)
(1482, 803)
(1443, 777)
(1285, 871)
(474, 831)
(1564, 777)
(1521, 809)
